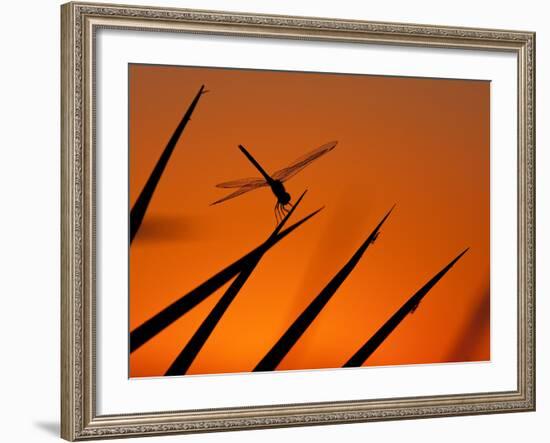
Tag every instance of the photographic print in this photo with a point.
(303, 220)
(273, 221)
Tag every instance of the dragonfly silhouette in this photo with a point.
(274, 181)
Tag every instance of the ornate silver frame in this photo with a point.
(79, 420)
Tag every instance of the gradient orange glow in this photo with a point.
(420, 143)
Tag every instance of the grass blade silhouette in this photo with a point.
(410, 305)
(147, 330)
(140, 206)
(190, 351)
(272, 359)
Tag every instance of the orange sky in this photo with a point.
(420, 143)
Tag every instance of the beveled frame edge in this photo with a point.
(78, 24)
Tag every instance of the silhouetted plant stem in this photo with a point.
(190, 351)
(174, 311)
(140, 206)
(359, 358)
(295, 331)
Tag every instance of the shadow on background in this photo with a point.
(49, 427)
(475, 330)
(168, 228)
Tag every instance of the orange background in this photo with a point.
(420, 143)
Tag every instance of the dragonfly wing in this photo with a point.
(236, 193)
(300, 163)
(243, 182)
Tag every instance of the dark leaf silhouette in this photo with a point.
(170, 314)
(296, 330)
(359, 358)
(190, 351)
(142, 203)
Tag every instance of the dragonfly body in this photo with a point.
(277, 187)
(275, 180)
(283, 199)
(279, 190)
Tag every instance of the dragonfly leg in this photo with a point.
(281, 211)
(276, 210)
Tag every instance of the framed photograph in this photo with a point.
(281, 221)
